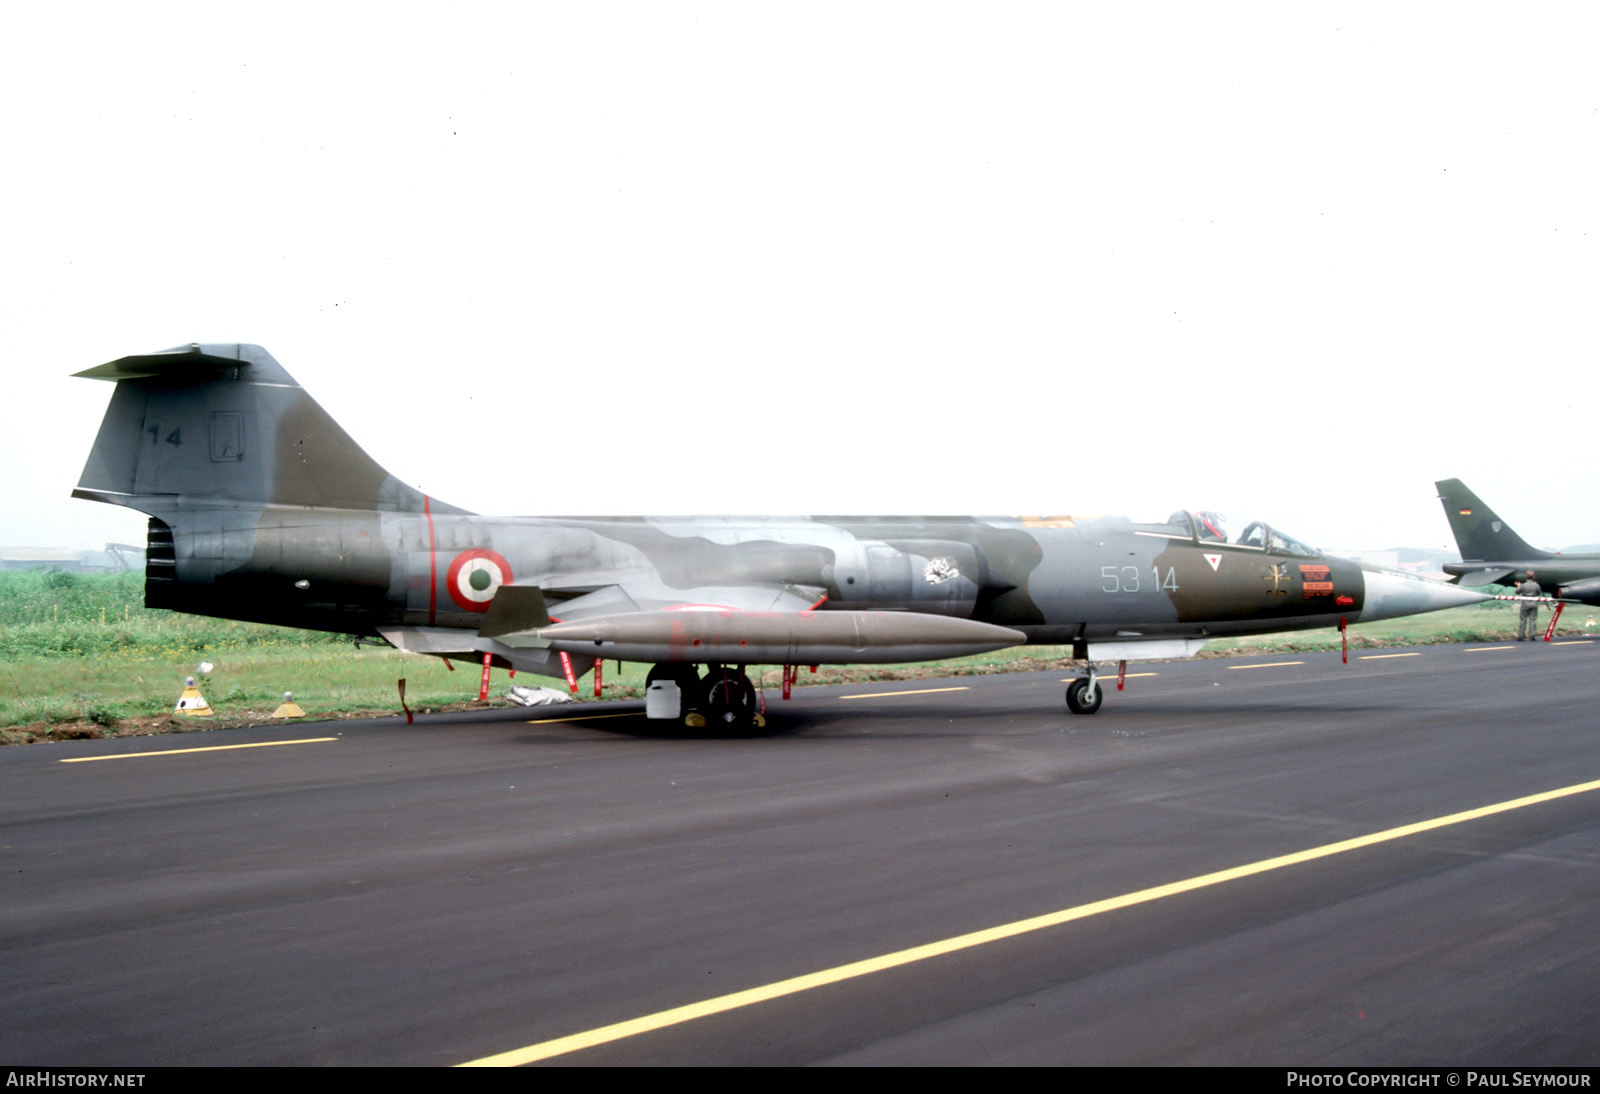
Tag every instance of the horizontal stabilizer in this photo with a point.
(189, 362)
(1482, 577)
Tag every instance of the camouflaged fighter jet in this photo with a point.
(1493, 554)
(261, 508)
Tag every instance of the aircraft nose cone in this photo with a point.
(1390, 594)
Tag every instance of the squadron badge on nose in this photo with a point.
(1278, 574)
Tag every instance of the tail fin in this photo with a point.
(199, 425)
(1480, 535)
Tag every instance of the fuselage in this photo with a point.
(1056, 580)
(263, 508)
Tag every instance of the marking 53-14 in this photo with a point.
(1125, 579)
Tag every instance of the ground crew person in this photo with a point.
(1528, 611)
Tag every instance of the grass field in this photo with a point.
(81, 655)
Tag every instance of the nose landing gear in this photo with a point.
(1084, 695)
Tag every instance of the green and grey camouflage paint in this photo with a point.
(262, 508)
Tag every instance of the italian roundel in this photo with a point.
(475, 576)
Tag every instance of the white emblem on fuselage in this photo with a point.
(940, 570)
(1215, 560)
(1495, 525)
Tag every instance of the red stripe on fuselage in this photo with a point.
(433, 562)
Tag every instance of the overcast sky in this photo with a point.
(1289, 262)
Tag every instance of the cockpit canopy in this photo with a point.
(1209, 527)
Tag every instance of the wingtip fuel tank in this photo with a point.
(789, 638)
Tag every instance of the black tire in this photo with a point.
(730, 699)
(1084, 696)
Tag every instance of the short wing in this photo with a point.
(621, 599)
(510, 628)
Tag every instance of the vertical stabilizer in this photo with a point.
(205, 424)
(1481, 536)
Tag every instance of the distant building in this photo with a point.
(37, 558)
(70, 562)
(1422, 561)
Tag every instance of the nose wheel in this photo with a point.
(1084, 695)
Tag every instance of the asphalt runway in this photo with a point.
(469, 886)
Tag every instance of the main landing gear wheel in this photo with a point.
(687, 679)
(730, 699)
(1084, 695)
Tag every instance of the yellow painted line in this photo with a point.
(886, 694)
(1381, 656)
(1575, 642)
(1265, 665)
(585, 717)
(182, 751)
(1481, 649)
(560, 1046)
(1109, 675)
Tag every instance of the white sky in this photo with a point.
(1289, 262)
